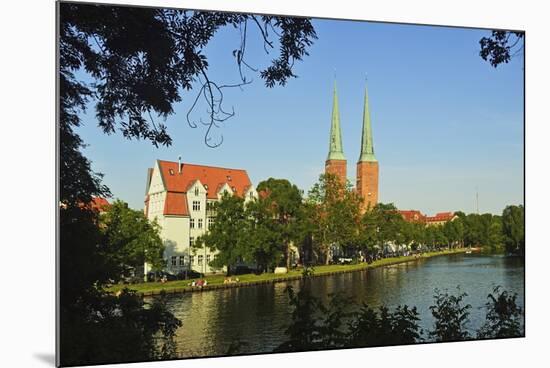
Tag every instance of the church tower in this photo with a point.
(336, 161)
(367, 166)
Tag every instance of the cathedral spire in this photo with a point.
(336, 151)
(367, 148)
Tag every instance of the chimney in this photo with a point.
(179, 164)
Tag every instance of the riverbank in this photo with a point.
(217, 281)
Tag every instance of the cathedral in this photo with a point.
(367, 166)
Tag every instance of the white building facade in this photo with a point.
(180, 197)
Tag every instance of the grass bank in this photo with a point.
(216, 281)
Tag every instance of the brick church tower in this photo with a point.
(367, 166)
(336, 161)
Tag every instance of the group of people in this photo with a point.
(199, 283)
(229, 280)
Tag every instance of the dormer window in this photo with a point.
(206, 186)
(228, 178)
(234, 189)
(171, 171)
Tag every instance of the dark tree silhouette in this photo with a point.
(142, 59)
(501, 46)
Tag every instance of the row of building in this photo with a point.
(180, 196)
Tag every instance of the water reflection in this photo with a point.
(257, 316)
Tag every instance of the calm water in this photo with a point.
(258, 315)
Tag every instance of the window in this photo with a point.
(196, 205)
(196, 191)
(208, 259)
(191, 241)
(210, 221)
(192, 223)
(251, 195)
(182, 260)
(171, 172)
(200, 223)
(200, 260)
(174, 258)
(228, 178)
(192, 259)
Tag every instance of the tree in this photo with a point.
(225, 235)
(130, 239)
(501, 46)
(336, 215)
(282, 201)
(513, 227)
(260, 237)
(503, 317)
(153, 54)
(451, 317)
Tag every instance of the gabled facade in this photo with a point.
(180, 197)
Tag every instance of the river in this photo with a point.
(257, 316)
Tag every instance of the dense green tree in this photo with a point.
(260, 238)
(336, 215)
(282, 201)
(451, 317)
(225, 235)
(513, 227)
(390, 224)
(130, 239)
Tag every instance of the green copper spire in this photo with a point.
(367, 148)
(335, 145)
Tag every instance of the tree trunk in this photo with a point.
(327, 256)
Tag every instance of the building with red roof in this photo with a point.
(416, 216)
(440, 218)
(413, 216)
(180, 197)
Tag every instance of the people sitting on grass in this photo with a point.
(229, 280)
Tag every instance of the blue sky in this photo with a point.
(444, 121)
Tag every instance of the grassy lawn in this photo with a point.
(184, 285)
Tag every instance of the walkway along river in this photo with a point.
(256, 316)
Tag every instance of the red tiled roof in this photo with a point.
(176, 204)
(412, 215)
(212, 177)
(99, 204)
(441, 216)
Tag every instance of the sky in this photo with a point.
(445, 123)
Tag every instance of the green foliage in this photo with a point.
(282, 202)
(317, 326)
(121, 329)
(513, 228)
(451, 317)
(335, 214)
(226, 233)
(382, 328)
(503, 317)
(130, 239)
